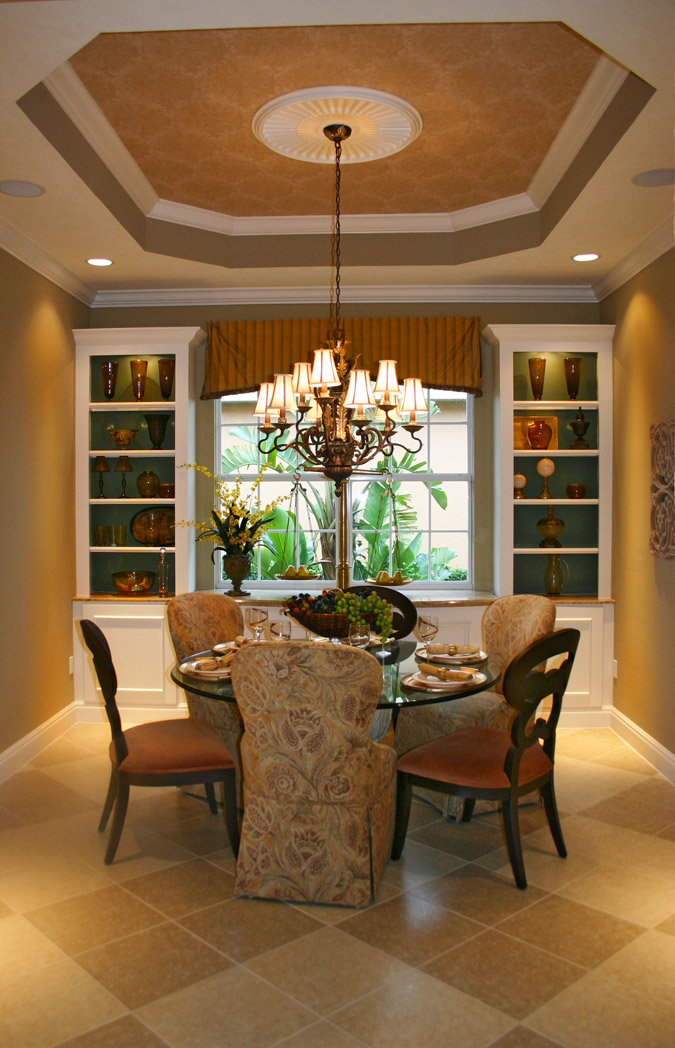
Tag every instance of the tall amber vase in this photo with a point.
(537, 366)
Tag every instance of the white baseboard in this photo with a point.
(657, 755)
(582, 718)
(18, 755)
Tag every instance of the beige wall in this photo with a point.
(643, 585)
(37, 555)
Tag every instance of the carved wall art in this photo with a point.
(662, 539)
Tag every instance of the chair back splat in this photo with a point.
(107, 678)
(482, 763)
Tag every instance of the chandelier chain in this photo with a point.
(338, 154)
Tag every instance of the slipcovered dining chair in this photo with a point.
(196, 622)
(320, 794)
(404, 612)
(161, 753)
(489, 763)
(509, 625)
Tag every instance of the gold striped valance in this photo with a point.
(443, 351)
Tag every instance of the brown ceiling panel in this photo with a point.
(492, 98)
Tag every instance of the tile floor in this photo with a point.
(156, 951)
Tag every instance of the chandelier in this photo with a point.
(341, 421)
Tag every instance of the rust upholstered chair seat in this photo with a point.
(161, 753)
(489, 764)
(473, 757)
(167, 747)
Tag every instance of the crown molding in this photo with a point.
(72, 96)
(599, 90)
(312, 295)
(651, 248)
(18, 245)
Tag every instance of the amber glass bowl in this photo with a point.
(122, 437)
(133, 582)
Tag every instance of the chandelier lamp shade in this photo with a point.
(341, 421)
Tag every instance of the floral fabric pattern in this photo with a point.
(197, 621)
(320, 794)
(509, 625)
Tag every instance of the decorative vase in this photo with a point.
(139, 369)
(553, 576)
(157, 424)
(109, 377)
(572, 375)
(539, 435)
(237, 566)
(549, 527)
(166, 369)
(537, 366)
(576, 491)
(579, 427)
(147, 484)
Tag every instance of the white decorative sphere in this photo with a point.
(546, 467)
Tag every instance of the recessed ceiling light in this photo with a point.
(21, 189)
(590, 256)
(659, 176)
(99, 261)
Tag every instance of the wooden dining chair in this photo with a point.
(500, 765)
(404, 612)
(161, 753)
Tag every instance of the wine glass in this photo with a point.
(428, 628)
(281, 630)
(255, 620)
(359, 636)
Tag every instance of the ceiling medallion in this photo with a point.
(293, 124)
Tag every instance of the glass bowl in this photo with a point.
(133, 582)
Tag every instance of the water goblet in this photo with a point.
(255, 620)
(281, 630)
(428, 628)
(359, 636)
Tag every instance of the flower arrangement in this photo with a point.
(237, 522)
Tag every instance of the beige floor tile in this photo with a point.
(88, 777)
(93, 919)
(531, 817)
(668, 925)
(509, 975)
(521, 1037)
(155, 807)
(414, 1009)
(322, 1035)
(579, 781)
(410, 928)
(626, 759)
(127, 1032)
(588, 743)
(656, 790)
(633, 814)
(245, 928)
(599, 841)
(644, 900)
(543, 866)
(654, 856)
(51, 1004)
(668, 832)
(92, 737)
(5, 910)
(34, 797)
(182, 888)
(465, 840)
(326, 970)
(417, 864)
(331, 915)
(478, 893)
(234, 1009)
(151, 964)
(571, 930)
(23, 949)
(616, 1004)
(64, 749)
(8, 821)
(34, 874)
(201, 834)
(421, 814)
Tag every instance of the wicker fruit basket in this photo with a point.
(325, 624)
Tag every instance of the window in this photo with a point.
(413, 513)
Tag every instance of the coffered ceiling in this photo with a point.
(137, 123)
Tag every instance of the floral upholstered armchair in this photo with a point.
(320, 795)
(197, 621)
(509, 625)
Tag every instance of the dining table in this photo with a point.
(400, 662)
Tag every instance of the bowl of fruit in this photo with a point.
(330, 613)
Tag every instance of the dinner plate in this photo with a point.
(420, 680)
(226, 646)
(196, 668)
(452, 660)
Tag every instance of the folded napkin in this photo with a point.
(445, 674)
(453, 649)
